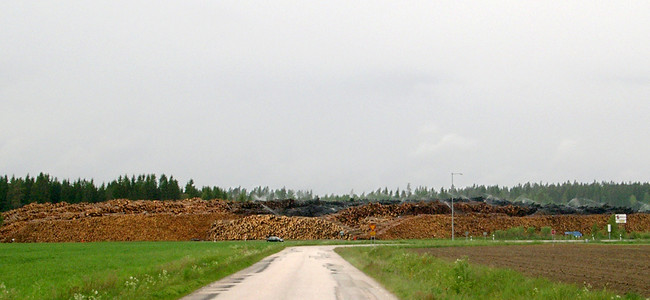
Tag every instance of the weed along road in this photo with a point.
(308, 272)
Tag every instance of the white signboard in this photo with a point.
(621, 218)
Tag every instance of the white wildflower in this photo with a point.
(78, 296)
(132, 282)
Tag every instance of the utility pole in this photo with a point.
(452, 203)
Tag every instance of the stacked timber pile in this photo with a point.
(439, 226)
(65, 211)
(114, 220)
(637, 222)
(127, 220)
(149, 227)
(260, 227)
(288, 207)
(484, 208)
(281, 204)
(360, 215)
(356, 220)
(248, 208)
(357, 215)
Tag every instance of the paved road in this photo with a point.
(308, 272)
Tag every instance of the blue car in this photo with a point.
(576, 234)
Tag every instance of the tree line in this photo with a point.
(18, 191)
(631, 194)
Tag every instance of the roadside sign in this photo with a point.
(373, 226)
(552, 232)
(373, 233)
(609, 231)
(621, 218)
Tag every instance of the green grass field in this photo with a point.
(110, 270)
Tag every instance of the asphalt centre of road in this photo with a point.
(304, 272)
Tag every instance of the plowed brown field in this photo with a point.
(620, 268)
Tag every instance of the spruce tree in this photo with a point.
(190, 190)
(67, 192)
(15, 193)
(174, 189)
(55, 191)
(163, 187)
(4, 188)
(41, 189)
(151, 188)
(206, 193)
(27, 190)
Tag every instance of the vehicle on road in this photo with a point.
(274, 239)
(576, 234)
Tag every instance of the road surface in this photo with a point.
(307, 272)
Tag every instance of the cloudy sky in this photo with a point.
(327, 95)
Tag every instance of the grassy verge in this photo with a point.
(413, 276)
(489, 242)
(114, 270)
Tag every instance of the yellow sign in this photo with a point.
(373, 233)
(373, 226)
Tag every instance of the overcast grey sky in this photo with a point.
(327, 95)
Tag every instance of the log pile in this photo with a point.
(439, 226)
(358, 215)
(260, 227)
(484, 208)
(127, 220)
(637, 222)
(159, 227)
(65, 211)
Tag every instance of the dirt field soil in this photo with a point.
(620, 268)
